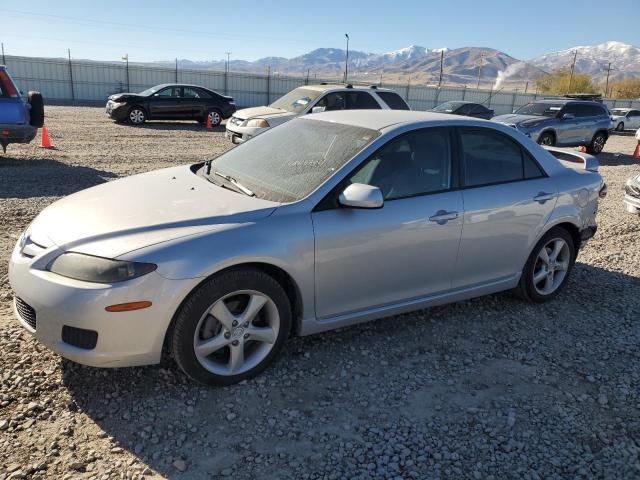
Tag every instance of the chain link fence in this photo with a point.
(89, 81)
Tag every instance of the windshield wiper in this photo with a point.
(241, 188)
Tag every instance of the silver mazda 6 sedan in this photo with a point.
(325, 221)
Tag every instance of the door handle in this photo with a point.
(543, 197)
(442, 216)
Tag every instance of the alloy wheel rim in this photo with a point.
(215, 118)
(236, 332)
(136, 116)
(546, 140)
(551, 266)
(598, 144)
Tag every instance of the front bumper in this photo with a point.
(16, 133)
(117, 111)
(123, 338)
(238, 134)
(632, 204)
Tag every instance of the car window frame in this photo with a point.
(157, 94)
(330, 200)
(361, 92)
(380, 97)
(523, 151)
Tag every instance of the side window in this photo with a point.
(633, 114)
(584, 110)
(412, 164)
(190, 93)
(169, 92)
(489, 157)
(203, 93)
(571, 108)
(531, 167)
(393, 100)
(465, 109)
(332, 101)
(361, 100)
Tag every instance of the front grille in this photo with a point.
(26, 312)
(79, 337)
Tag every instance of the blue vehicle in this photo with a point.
(20, 117)
(562, 123)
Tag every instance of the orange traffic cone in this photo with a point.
(209, 127)
(46, 142)
(636, 152)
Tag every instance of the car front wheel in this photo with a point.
(548, 267)
(231, 328)
(620, 127)
(597, 143)
(137, 116)
(547, 139)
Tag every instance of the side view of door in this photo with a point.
(369, 258)
(165, 104)
(507, 198)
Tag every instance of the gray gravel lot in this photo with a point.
(486, 388)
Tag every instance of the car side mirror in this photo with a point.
(318, 109)
(359, 195)
(568, 116)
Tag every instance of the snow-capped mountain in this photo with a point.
(460, 65)
(594, 59)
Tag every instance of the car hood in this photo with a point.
(515, 119)
(124, 96)
(263, 112)
(118, 217)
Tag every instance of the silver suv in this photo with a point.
(563, 123)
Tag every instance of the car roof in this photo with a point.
(342, 86)
(164, 85)
(380, 119)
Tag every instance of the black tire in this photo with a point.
(620, 127)
(137, 115)
(526, 288)
(193, 309)
(547, 138)
(36, 113)
(597, 143)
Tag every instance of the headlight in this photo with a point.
(97, 269)
(257, 122)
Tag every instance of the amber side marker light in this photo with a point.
(128, 307)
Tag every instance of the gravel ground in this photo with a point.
(491, 388)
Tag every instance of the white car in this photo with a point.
(625, 118)
(249, 122)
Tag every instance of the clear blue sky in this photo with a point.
(205, 30)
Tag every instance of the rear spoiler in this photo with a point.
(570, 156)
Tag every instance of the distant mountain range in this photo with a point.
(422, 65)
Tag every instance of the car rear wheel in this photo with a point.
(597, 143)
(620, 127)
(215, 117)
(548, 267)
(137, 116)
(231, 328)
(547, 139)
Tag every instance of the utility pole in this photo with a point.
(306, 82)
(606, 88)
(4, 61)
(126, 59)
(269, 85)
(176, 69)
(346, 60)
(380, 83)
(226, 73)
(73, 94)
(480, 70)
(526, 86)
(573, 66)
(441, 65)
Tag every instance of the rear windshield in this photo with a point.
(287, 162)
(393, 100)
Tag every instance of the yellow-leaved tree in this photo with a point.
(557, 83)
